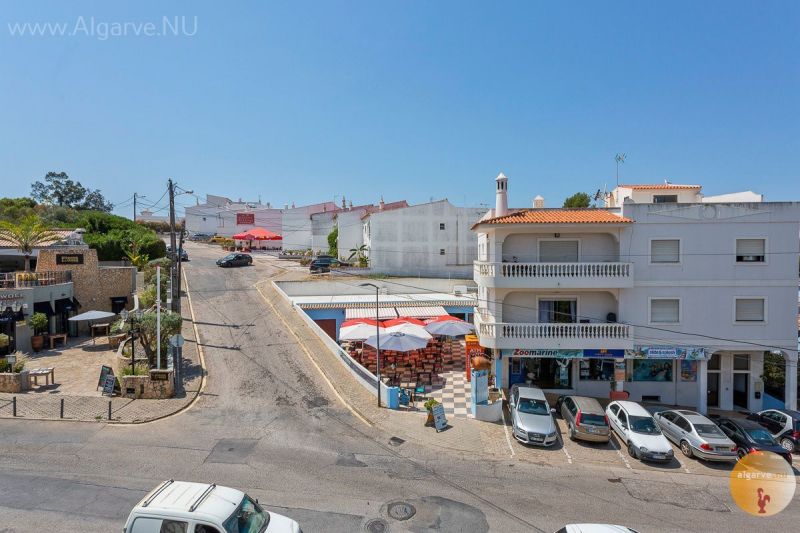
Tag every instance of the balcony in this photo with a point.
(506, 335)
(22, 280)
(604, 275)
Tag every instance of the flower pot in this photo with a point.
(37, 342)
(429, 421)
(480, 362)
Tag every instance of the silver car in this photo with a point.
(531, 417)
(696, 435)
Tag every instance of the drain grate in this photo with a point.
(376, 525)
(396, 441)
(401, 510)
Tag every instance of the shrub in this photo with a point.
(38, 323)
(137, 370)
(430, 404)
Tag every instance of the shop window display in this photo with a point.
(597, 370)
(652, 370)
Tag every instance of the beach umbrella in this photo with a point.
(357, 332)
(356, 321)
(397, 342)
(409, 329)
(91, 315)
(449, 326)
(403, 320)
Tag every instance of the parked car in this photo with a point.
(234, 260)
(200, 236)
(585, 418)
(696, 435)
(184, 255)
(638, 431)
(751, 437)
(531, 417)
(324, 263)
(783, 424)
(594, 528)
(203, 508)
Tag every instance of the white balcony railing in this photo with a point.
(527, 335)
(554, 274)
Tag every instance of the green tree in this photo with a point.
(333, 242)
(58, 189)
(579, 199)
(170, 325)
(13, 209)
(28, 234)
(360, 254)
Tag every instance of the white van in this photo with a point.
(184, 507)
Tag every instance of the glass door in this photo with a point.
(713, 389)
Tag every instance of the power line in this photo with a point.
(638, 326)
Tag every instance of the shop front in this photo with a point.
(661, 374)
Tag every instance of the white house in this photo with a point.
(428, 240)
(351, 226)
(664, 193)
(672, 302)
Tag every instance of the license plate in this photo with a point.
(658, 456)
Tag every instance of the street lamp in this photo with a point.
(377, 337)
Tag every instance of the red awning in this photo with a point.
(257, 234)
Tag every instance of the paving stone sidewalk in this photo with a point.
(463, 434)
(37, 405)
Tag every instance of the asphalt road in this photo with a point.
(267, 423)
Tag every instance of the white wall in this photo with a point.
(296, 225)
(408, 241)
(522, 306)
(350, 231)
(592, 247)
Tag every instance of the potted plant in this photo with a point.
(39, 323)
(429, 405)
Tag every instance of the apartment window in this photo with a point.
(558, 251)
(665, 251)
(665, 199)
(665, 310)
(741, 362)
(442, 251)
(750, 250)
(750, 309)
(558, 311)
(441, 225)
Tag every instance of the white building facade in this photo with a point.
(426, 240)
(668, 302)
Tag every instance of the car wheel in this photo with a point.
(787, 444)
(740, 454)
(686, 449)
(632, 451)
(571, 432)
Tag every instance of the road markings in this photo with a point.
(564, 447)
(310, 358)
(614, 445)
(508, 439)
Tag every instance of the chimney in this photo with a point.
(344, 203)
(538, 202)
(269, 205)
(501, 197)
(286, 206)
(351, 204)
(381, 204)
(292, 205)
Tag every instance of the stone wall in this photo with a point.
(145, 387)
(94, 286)
(14, 382)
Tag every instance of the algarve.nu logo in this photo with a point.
(762, 484)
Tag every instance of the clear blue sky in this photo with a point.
(302, 101)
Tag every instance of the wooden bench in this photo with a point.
(58, 337)
(48, 373)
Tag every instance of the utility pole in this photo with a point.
(175, 287)
(180, 267)
(135, 196)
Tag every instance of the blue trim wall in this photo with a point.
(321, 314)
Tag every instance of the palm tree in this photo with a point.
(30, 233)
(360, 253)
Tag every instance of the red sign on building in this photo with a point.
(245, 218)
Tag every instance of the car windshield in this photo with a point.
(708, 430)
(230, 256)
(644, 424)
(592, 420)
(249, 517)
(532, 407)
(760, 436)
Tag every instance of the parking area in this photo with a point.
(611, 454)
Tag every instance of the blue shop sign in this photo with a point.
(604, 354)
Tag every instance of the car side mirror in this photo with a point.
(552, 410)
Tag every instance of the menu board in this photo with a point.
(439, 418)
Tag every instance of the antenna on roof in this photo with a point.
(619, 158)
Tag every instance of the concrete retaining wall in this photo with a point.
(145, 387)
(14, 382)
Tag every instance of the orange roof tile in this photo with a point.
(660, 186)
(559, 216)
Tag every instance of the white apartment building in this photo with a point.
(220, 215)
(666, 193)
(672, 302)
(425, 240)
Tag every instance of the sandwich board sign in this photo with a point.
(105, 371)
(108, 385)
(439, 418)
